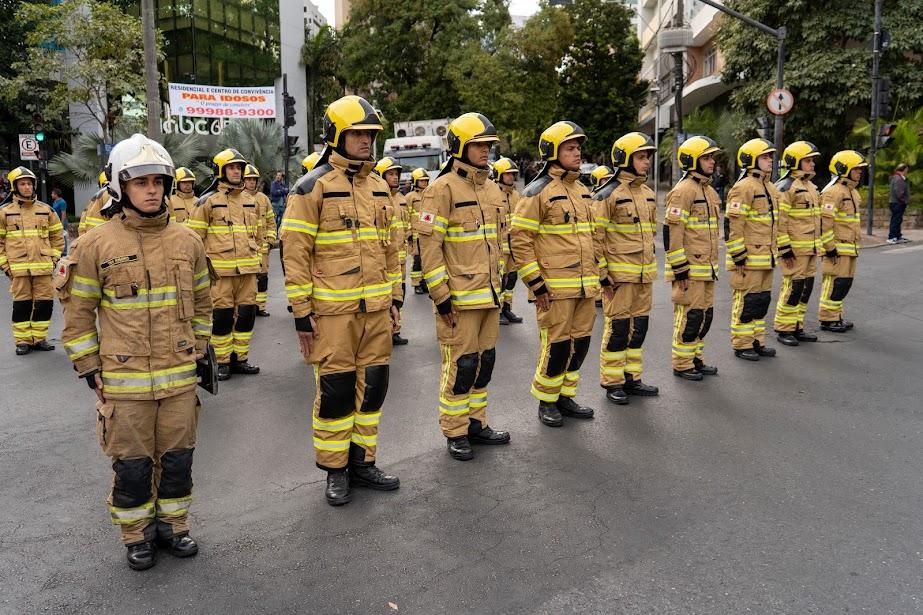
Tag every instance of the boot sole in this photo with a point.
(621, 402)
(461, 456)
(245, 373)
(584, 417)
(642, 393)
(747, 358)
(551, 423)
(338, 501)
(357, 482)
(690, 379)
(488, 442)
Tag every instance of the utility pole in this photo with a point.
(876, 88)
(285, 125)
(678, 80)
(151, 73)
(780, 34)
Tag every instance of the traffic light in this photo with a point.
(764, 127)
(886, 135)
(288, 102)
(38, 126)
(884, 98)
(292, 143)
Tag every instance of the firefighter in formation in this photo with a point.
(267, 218)
(505, 173)
(390, 171)
(419, 180)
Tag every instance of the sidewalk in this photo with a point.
(879, 237)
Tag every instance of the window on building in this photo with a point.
(710, 64)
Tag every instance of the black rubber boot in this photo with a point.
(370, 476)
(262, 313)
(848, 324)
(242, 367)
(834, 326)
(419, 290)
(22, 349)
(764, 351)
(705, 370)
(747, 354)
(617, 395)
(179, 546)
(636, 387)
(503, 319)
(397, 340)
(507, 311)
(224, 372)
(460, 448)
(549, 414)
(803, 336)
(688, 374)
(141, 556)
(486, 435)
(787, 338)
(337, 492)
(43, 346)
(568, 407)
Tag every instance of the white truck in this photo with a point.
(418, 143)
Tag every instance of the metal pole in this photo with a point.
(284, 126)
(678, 79)
(873, 149)
(657, 144)
(780, 83)
(151, 74)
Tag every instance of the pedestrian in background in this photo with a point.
(278, 191)
(59, 205)
(720, 182)
(900, 198)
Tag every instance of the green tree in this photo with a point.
(103, 59)
(906, 146)
(322, 63)
(260, 141)
(827, 61)
(599, 86)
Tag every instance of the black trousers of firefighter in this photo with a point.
(233, 317)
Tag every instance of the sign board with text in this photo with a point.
(28, 147)
(212, 101)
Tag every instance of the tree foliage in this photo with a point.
(906, 147)
(827, 61)
(440, 58)
(260, 142)
(103, 59)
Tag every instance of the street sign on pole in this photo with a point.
(28, 147)
(780, 101)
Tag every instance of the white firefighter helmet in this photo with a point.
(138, 156)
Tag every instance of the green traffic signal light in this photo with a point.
(40, 136)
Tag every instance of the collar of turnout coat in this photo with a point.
(470, 172)
(564, 175)
(134, 220)
(352, 168)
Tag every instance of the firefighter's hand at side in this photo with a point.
(95, 382)
(542, 302)
(306, 343)
(683, 284)
(395, 319)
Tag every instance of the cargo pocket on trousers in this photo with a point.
(104, 412)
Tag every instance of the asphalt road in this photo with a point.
(794, 485)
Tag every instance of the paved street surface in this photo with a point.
(794, 485)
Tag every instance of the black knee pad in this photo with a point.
(581, 346)
(706, 322)
(22, 310)
(639, 331)
(337, 395)
(618, 334)
(753, 303)
(222, 321)
(558, 355)
(485, 368)
(795, 294)
(246, 317)
(808, 289)
(376, 387)
(175, 474)
(465, 373)
(42, 309)
(511, 278)
(132, 482)
(765, 300)
(262, 282)
(840, 288)
(694, 320)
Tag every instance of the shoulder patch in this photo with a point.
(828, 206)
(734, 206)
(306, 183)
(675, 212)
(536, 185)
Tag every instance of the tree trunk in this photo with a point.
(151, 73)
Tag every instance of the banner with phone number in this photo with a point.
(192, 100)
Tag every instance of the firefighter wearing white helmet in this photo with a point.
(461, 254)
(144, 279)
(798, 238)
(750, 235)
(183, 199)
(390, 171)
(560, 260)
(31, 241)
(505, 173)
(268, 233)
(626, 216)
(343, 282)
(690, 239)
(227, 219)
(419, 180)
(840, 233)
